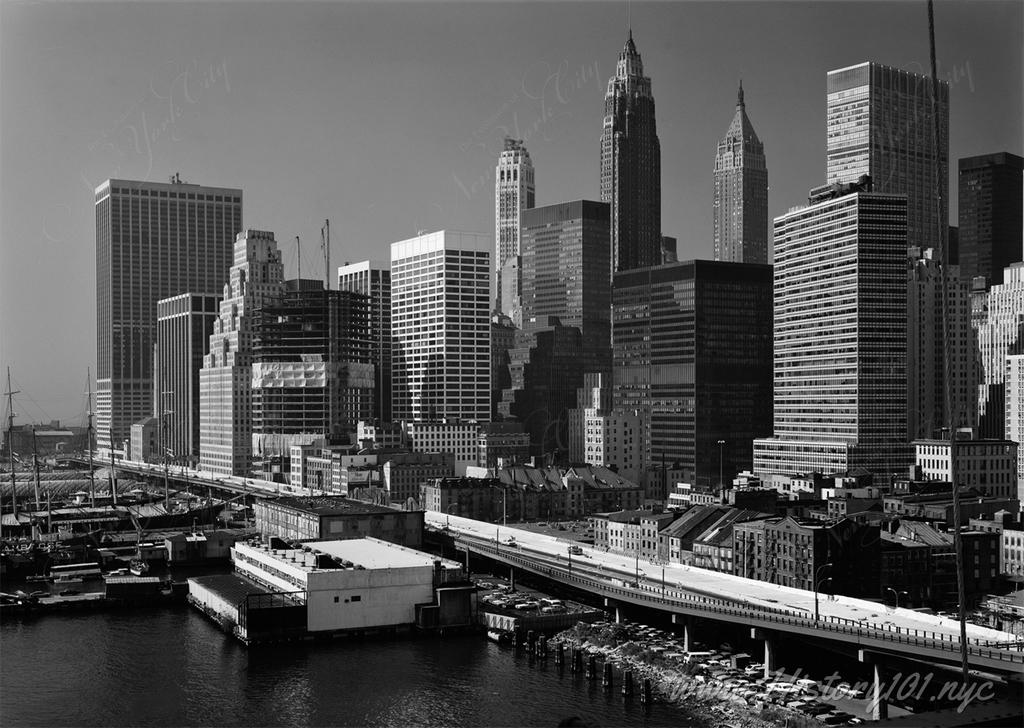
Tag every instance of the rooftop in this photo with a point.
(373, 553)
(330, 506)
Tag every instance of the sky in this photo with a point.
(387, 118)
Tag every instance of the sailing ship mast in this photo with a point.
(10, 446)
(88, 442)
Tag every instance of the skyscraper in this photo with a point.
(741, 192)
(372, 278)
(153, 240)
(928, 348)
(991, 217)
(692, 353)
(840, 396)
(565, 272)
(183, 327)
(514, 191)
(225, 381)
(998, 319)
(566, 298)
(631, 164)
(879, 123)
(311, 373)
(440, 325)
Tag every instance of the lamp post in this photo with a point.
(819, 583)
(721, 462)
(896, 595)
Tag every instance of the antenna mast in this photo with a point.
(325, 241)
(298, 264)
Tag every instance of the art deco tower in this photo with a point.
(741, 193)
(514, 192)
(631, 164)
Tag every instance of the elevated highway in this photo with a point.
(692, 592)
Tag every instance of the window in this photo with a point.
(357, 598)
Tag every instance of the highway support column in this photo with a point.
(757, 633)
(687, 623)
(608, 603)
(877, 695)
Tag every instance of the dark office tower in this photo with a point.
(631, 164)
(183, 327)
(373, 279)
(565, 266)
(879, 123)
(941, 352)
(311, 373)
(741, 193)
(503, 339)
(990, 215)
(693, 354)
(546, 369)
(153, 240)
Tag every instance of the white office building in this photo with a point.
(840, 394)
(441, 328)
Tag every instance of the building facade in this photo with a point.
(840, 337)
(631, 164)
(692, 354)
(990, 215)
(153, 240)
(320, 518)
(879, 123)
(312, 377)
(514, 191)
(183, 327)
(440, 324)
(990, 466)
(225, 381)
(372, 279)
(833, 558)
(998, 318)
(1014, 399)
(941, 349)
(565, 272)
(741, 193)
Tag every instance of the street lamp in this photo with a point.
(896, 595)
(721, 450)
(819, 583)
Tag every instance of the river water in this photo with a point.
(171, 667)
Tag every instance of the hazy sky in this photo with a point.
(387, 118)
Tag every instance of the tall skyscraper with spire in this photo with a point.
(741, 193)
(514, 191)
(631, 164)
